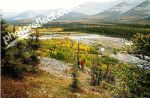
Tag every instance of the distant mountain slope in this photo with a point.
(118, 9)
(68, 17)
(92, 8)
(9, 14)
(121, 8)
(148, 18)
(48, 12)
(139, 14)
(125, 12)
(24, 15)
(129, 11)
(39, 16)
(142, 10)
(72, 16)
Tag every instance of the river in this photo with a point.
(108, 43)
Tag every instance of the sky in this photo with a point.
(22, 5)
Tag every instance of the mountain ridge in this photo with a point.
(126, 11)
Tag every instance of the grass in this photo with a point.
(44, 85)
(13, 88)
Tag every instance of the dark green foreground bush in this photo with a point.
(17, 71)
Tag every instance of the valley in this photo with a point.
(99, 49)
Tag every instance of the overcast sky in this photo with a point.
(22, 5)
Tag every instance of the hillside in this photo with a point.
(25, 15)
(140, 11)
(130, 11)
(72, 16)
(125, 12)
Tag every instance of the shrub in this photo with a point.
(13, 70)
(34, 60)
(75, 83)
(96, 75)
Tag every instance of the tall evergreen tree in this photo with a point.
(140, 48)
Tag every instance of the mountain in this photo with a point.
(141, 11)
(39, 16)
(48, 12)
(25, 15)
(68, 17)
(139, 14)
(128, 11)
(9, 14)
(92, 8)
(121, 8)
(118, 9)
(72, 16)
(148, 18)
(89, 8)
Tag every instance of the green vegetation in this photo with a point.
(96, 76)
(18, 59)
(75, 82)
(115, 30)
(66, 50)
(140, 48)
(102, 77)
(124, 32)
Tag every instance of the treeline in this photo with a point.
(116, 30)
(61, 24)
(124, 32)
(146, 26)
